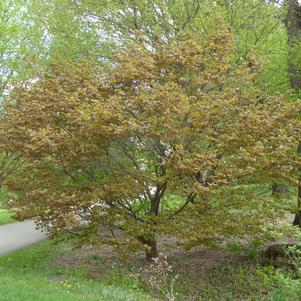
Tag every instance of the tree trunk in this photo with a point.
(297, 220)
(151, 250)
(294, 29)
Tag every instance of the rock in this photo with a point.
(280, 255)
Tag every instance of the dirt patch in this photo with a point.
(203, 274)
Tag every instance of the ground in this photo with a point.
(55, 270)
(29, 275)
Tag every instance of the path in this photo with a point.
(19, 235)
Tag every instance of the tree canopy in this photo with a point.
(154, 142)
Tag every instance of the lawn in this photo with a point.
(5, 217)
(28, 275)
(51, 271)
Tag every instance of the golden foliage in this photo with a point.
(160, 141)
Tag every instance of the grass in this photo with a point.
(28, 275)
(5, 217)
(51, 271)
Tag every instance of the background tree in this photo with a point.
(62, 33)
(294, 27)
(257, 25)
(160, 142)
(11, 49)
(14, 48)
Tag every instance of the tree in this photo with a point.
(258, 28)
(32, 33)
(61, 33)
(10, 41)
(257, 25)
(153, 21)
(294, 27)
(14, 34)
(160, 142)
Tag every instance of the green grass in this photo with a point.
(5, 217)
(48, 272)
(29, 275)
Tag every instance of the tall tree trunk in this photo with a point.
(297, 220)
(294, 30)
